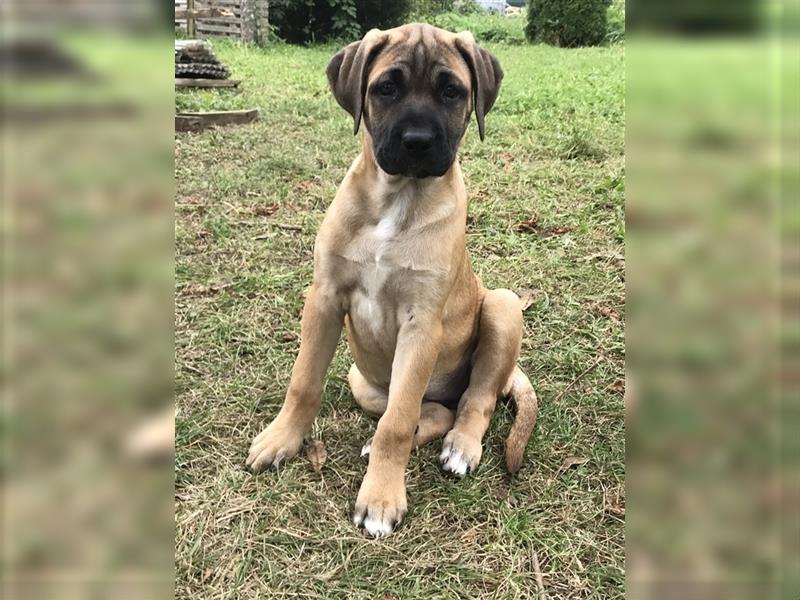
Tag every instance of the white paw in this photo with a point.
(453, 461)
(377, 527)
(380, 506)
(366, 448)
(460, 454)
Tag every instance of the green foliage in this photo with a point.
(616, 22)
(308, 21)
(344, 23)
(424, 9)
(468, 7)
(300, 21)
(568, 23)
(383, 14)
(486, 27)
(700, 16)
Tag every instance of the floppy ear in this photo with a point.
(486, 76)
(347, 73)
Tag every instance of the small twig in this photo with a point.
(279, 226)
(192, 369)
(606, 255)
(539, 580)
(580, 376)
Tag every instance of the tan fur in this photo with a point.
(390, 263)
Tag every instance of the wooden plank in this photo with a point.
(232, 28)
(191, 28)
(203, 13)
(206, 83)
(220, 21)
(231, 20)
(204, 120)
(234, 10)
(219, 31)
(225, 3)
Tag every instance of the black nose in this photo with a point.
(417, 141)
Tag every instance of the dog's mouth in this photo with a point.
(413, 147)
(395, 160)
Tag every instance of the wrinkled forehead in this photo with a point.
(421, 54)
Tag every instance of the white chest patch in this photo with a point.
(392, 221)
(368, 303)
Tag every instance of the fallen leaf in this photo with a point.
(618, 387)
(304, 186)
(559, 230)
(529, 226)
(192, 200)
(470, 535)
(316, 454)
(502, 490)
(266, 211)
(506, 156)
(199, 290)
(573, 461)
(528, 296)
(507, 167)
(608, 312)
(615, 505)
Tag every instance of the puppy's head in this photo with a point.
(415, 88)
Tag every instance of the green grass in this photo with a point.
(554, 154)
(487, 28)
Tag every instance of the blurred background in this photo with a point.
(712, 159)
(87, 297)
(712, 251)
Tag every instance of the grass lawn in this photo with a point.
(249, 202)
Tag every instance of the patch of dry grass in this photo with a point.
(248, 205)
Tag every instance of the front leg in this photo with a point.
(320, 329)
(381, 502)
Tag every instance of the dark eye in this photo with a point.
(451, 91)
(387, 88)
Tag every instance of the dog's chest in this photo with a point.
(381, 263)
(388, 268)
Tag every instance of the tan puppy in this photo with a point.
(433, 348)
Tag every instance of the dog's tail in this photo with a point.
(520, 389)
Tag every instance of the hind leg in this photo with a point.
(435, 420)
(499, 340)
(368, 396)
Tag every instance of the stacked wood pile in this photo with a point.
(196, 65)
(246, 20)
(196, 59)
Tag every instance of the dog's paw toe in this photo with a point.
(380, 507)
(376, 523)
(454, 462)
(378, 527)
(365, 449)
(460, 454)
(272, 447)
